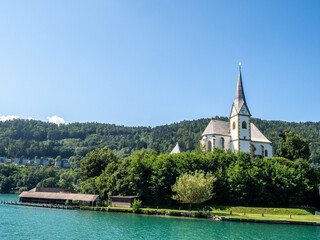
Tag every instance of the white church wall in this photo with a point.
(244, 146)
(208, 140)
(244, 133)
(234, 132)
(266, 146)
(234, 145)
(216, 141)
(226, 142)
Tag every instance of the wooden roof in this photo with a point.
(124, 196)
(58, 195)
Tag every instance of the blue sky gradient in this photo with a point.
(148, 63)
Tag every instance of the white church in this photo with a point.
(238, 134)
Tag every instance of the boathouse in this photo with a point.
(122, 201)
(58, 196)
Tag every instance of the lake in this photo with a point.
(21, 222)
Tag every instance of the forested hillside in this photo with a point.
(32, 138)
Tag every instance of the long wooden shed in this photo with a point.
(57, 196)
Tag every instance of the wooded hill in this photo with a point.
(30, 138)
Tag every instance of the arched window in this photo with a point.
(209, 146)
(233, 125)
(266, 153)
(262, 151)
(222, 143)
(244, 124)
(253, 149)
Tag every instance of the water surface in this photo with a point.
(21, 222)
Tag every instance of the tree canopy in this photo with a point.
(293, 146)
(194, 187)
(239, 178)
(30, 138)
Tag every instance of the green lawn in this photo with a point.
(279, 214)
(297, 214)
(270, 213)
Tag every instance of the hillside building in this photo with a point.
(238, 134)
(41, 162)
(4, 160)
(22, 160)
(63, 163)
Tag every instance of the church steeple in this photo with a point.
(240, 128)
(240, 99)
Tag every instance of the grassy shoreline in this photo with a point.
(299, 216)
(223, 213)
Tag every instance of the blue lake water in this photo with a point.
(21, 222)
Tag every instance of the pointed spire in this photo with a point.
(240, 98)
(176, 149)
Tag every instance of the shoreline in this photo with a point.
(168, 213)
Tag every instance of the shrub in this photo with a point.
(136, 205)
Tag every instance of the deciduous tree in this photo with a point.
(293, 146)
(194, 187)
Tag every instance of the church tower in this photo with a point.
(240, 120)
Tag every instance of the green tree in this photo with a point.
(50, 182)
(95, 162)
(136, 205)
(293, 146)
(194, 187)
(66, 180)
(5, 185)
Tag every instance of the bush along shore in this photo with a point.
(254, 215)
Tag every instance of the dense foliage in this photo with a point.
(239, 179)
(19, 178)
(193, 187)
(293, 146)
(32, 138)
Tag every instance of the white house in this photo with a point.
(41, 162)
(63, 163)
(19, 161)
(4, 160)
(239, 134)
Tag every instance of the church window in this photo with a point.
(244, 124)
(233, 125)
(244, 137)
(266, 153)
(222, 143)
(253, 149)
(262, 151)
(209, 146)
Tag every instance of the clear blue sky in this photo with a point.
(157, 62)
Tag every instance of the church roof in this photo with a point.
(176, 149)
(218, 127)
(257, 136)
(239, 99)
